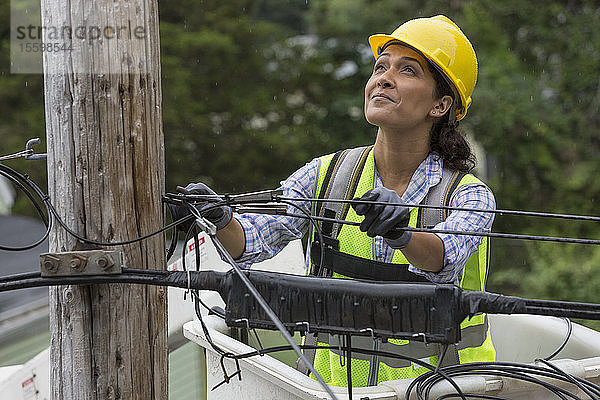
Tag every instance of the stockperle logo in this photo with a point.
(102, 42)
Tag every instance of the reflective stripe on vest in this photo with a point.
(475, 344)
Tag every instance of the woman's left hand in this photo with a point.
(384, 219)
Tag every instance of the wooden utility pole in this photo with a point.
(106, 176)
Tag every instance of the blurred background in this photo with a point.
(252, 90)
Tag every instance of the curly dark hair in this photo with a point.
(445, 138)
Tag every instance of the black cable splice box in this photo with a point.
(416, 311)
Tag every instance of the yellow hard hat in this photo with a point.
(441, 41)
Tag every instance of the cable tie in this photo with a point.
(257, 345)
(304, 323)
(226, 377)
(369, 330)
(418, 335)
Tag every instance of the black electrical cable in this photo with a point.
(258, 297)
(31, 280)
(564, 343)
(128, 275)
(164, 278)
(172, 246)
(590, 384)
(186, 238)
(472, 396)
(126, 242)
(109, 244)
(182, 279)
(18, 277)
(466, 233)
(349, 365)
(197, 250)
(507, 236)
(419, 362)
(510, 370)
(196, 297)
(504, 368)
(501, 212)
(191, 230)
(424, 387)
(451, 208)
(29, 188)
(196, 294)
(51, 211)
(81, 280)
(570, 379)
(441, 357)
(318, 231)
(455, 232)
(558, 303)
(561, 312)
(174, 236)
(272, 316)
(492, 366)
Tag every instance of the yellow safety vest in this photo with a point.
(475, 344)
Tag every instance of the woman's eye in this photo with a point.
(379, 67)
(408, 69)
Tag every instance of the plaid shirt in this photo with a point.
(266, 235)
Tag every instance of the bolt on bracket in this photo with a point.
(77, 263)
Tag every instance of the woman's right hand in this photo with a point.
(220, 215)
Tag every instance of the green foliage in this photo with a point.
(536, 112)
(222, 124)
(253, 89)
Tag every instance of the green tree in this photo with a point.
(537, 105)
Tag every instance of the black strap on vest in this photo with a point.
(351, 161)
(358, 267)
(326, 180)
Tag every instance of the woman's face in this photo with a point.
(399, 93)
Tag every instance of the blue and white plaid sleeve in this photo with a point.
(267, 235)
(458, 248)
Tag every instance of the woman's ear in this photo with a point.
(441, 107)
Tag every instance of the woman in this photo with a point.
(421, 86)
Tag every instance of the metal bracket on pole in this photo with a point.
(78, 263)
(31, 155)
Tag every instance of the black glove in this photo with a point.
(220, 216)
(380, 219)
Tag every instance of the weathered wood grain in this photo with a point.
(106, 174)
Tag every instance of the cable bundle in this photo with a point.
(422, 386)
(271, 202)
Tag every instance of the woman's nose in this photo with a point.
(384, 82)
